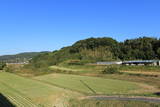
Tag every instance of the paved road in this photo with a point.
(146, 99)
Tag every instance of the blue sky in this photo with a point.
(46, 25)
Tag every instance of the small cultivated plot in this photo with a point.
(24, 92)
(63, 68)
(94, 85)
(78, 69)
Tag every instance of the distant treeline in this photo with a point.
(18, 58)
(101, 49)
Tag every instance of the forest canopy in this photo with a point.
(102, 49)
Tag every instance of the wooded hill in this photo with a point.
(101, 49)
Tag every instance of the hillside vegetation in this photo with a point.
(100, 49)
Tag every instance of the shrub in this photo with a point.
(2, 66)
(111, 70)
(9, 69)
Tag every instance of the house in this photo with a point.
(142, 62)
(136, 62)
(109, 63)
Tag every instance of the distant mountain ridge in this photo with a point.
(21, 57)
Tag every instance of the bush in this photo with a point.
(2, 66)
(8, 69)
(111, 70)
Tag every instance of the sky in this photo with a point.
(47, 25)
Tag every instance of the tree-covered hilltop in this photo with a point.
(145, 48)
(101, 49)
(21, 57)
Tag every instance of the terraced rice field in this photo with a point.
(57, 89)
(24, 92)
(90, 85)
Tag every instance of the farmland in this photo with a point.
(138, 74)
(94, 84)
(66, 85)
(61, 90)
(25, 92)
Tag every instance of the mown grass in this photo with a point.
(150, 78)
(89, 84)
(25, 92)
(152, 81)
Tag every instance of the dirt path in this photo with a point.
(146, 99)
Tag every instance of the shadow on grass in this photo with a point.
(157, 93)
(4, 102)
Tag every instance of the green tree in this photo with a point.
(2, 65)
(158, 52)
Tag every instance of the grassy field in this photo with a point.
(136, 74)
(57, 89)
(78, 69)
(143, 73)
(25, 92)
(141, 68)
(60, 90)
(92, 85)
(97, 69)
(111, 103)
